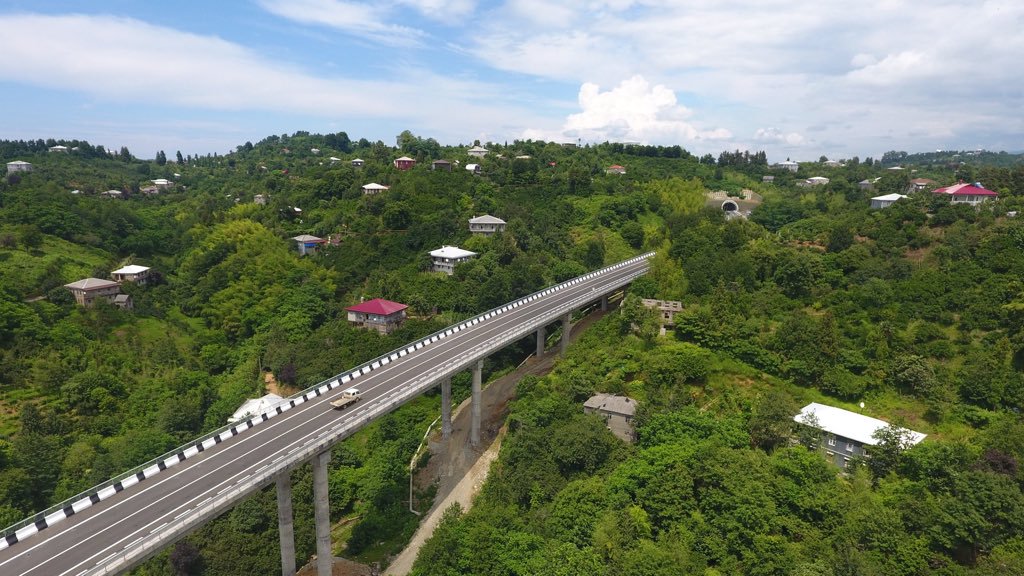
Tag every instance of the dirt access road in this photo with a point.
(458, 468)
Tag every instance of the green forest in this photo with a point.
(915, 310)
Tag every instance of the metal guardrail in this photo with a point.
(100, 492)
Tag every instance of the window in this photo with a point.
(846, 461)
(831, 440)
(849, 446)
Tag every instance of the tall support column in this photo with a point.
(322, 513)
(604, 303)
(474, 429)
(284, 523)
(566, 328)
(540, 342)
(446, 408)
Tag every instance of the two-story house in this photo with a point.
(308, 244)
(477, 151)
(847, 435)
(446, 258)
(486, 225)
(404, 163)
(378, 314)
(18, 166)
(618, 413)
(88, 290)
(667, 309)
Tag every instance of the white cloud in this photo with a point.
(127, 60)
(452, 11)
(137, 63)
(367, 21)
(776, 136)
(633, 111)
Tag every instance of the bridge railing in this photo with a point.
(102, 491)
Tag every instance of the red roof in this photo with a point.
(378, 306)
(965, 189)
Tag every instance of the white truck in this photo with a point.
(350, 396)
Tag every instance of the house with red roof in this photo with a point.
(972, 194)
(378, 314)
(615, 169)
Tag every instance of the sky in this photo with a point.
(797, 79)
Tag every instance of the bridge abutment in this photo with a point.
(285, 525)
(322, 513)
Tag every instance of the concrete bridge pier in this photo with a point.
(604, 303)
(322, 513)
(474, 429)
(284, 523)
(566, 329)
(446, 408)
(540, 342)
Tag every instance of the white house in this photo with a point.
(59, 148)
(446, 258)
(474, 168)
(847, 433)
(477, 151)
(789, 165)
(18, 166)
(132, 273)
(358, 162)
(162, 183)
(831, 163)
(817, 181)
(486, 225)
(879, 202)
(374, 188)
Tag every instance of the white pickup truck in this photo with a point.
(350, 396)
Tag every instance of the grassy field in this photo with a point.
(30, 272)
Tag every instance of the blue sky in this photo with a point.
(799, 79)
